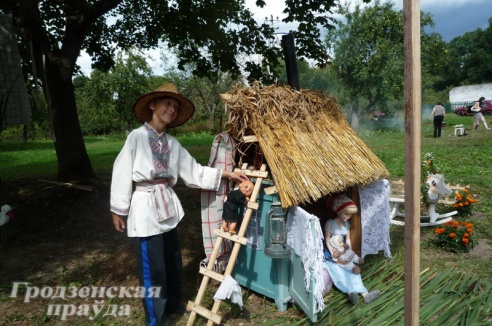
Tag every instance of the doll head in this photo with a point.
(246, 187)
(343, 206)
(336, 241)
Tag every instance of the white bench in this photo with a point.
(460, 129)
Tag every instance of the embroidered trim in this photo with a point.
(119, 211)
(218, 177)
(161, 152)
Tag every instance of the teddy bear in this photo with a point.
(235, 199)
(343, 255)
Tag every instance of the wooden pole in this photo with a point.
(413, 118)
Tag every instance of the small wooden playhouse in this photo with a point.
(311, 153)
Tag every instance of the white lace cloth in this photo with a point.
(309, 248)
(375, 217)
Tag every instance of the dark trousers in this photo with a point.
(159, 263)
(438, 119)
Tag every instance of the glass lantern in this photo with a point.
(276, 232)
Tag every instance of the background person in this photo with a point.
(438, 113)
(144, 173)
(477, 114)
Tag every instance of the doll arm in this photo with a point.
(347, 238)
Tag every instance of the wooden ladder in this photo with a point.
(238, 239)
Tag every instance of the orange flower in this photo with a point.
(437, 230)
(463, 223)
(461, 204)
(452, 235)
(456, 205)
(469, 225)
(467, 203)
(466, 190)
(455, 226)
(443, 230)
(448, 223)
(469, 230)
(466, 235)
(464, 240)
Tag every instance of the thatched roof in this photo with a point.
(310, 148)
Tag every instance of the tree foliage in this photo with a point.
(470, 59)
(367, 47)
(209, 33)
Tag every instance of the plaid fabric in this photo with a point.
(212, 202)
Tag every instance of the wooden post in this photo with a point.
(413, 117)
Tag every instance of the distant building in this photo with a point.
(470, 93)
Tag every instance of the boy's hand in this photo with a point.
(118, 223)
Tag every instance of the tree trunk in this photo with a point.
(73, 160)
(354, 123)
(212, 120)
(354, 120)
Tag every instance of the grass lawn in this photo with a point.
(463, 160)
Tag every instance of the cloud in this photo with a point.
(84, 61)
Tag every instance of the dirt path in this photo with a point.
(64, 238)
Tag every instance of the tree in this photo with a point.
(470, 59)
(368, 52)
(206, 32)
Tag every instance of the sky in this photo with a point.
(451, 18)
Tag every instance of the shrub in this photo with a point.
(464, 203)
(456, 236)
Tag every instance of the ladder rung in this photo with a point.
(253, 205)
(216, 276)
(205, 312)
(253, 173)
(271, 190)
(232, 237)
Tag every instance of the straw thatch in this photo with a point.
(310, 148)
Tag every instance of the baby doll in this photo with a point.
(235, 199)
(343, 255)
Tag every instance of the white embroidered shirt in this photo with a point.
(153, 162)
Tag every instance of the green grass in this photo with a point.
(37, 159)
(465, 160)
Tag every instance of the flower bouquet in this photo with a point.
(455, 236)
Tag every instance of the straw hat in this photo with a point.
(144, 113)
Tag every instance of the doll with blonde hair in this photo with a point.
(345, 280)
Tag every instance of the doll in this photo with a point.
(347, 282)
(235, 199)
(343, 255)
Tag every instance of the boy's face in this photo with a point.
(246, 188)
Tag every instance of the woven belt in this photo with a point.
(163, 204)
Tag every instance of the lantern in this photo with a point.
(276, 232)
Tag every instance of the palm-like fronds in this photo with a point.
(446, 298)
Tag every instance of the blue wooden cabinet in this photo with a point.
(279, 279)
